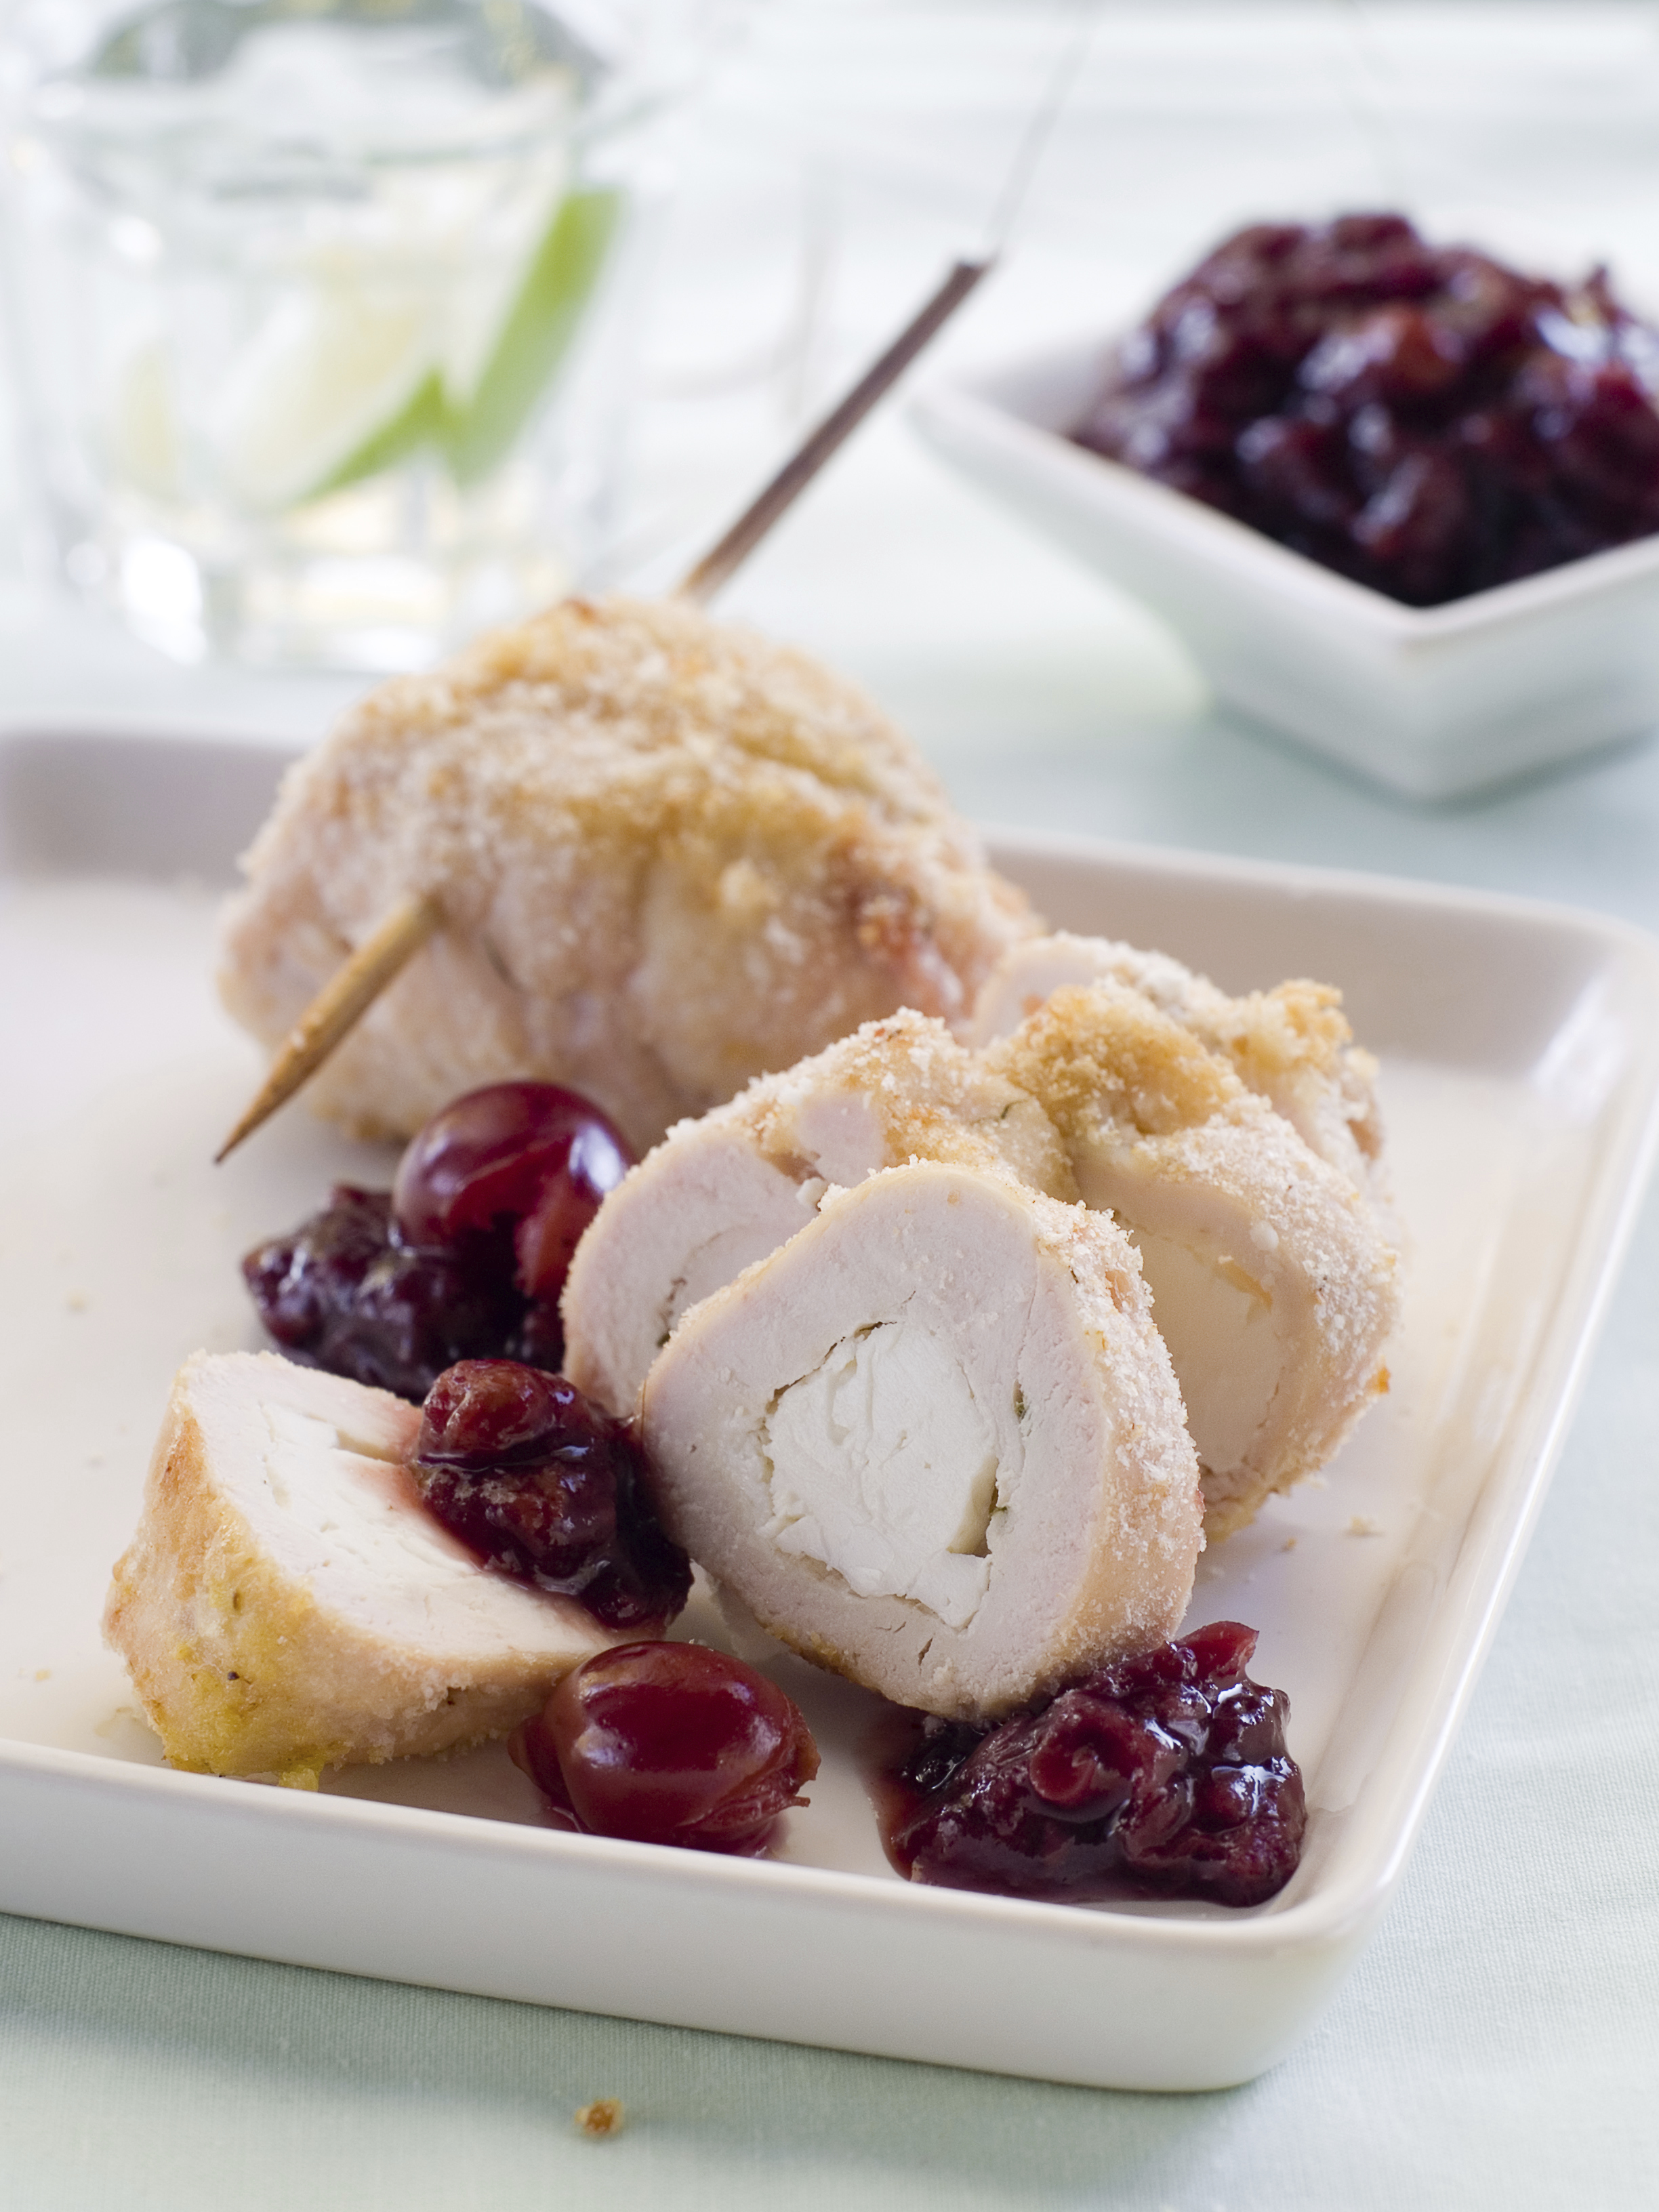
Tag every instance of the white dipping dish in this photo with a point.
(1431, 702)
(1521, 1084)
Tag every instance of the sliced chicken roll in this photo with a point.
(1292, 1044)
(288, 1604)
(1272, 1282)
(934, 1443)
(722, 1192)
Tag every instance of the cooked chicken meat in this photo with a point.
(289, 1605)
(1292, 1045)
(722, 1192)
(934, 1442)
(669, 856)
(1272, 1283)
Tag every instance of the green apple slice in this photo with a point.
(423, 420)
(536, 335)
(339, 384)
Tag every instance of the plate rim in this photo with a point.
(979, 401)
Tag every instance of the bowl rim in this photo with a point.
(982, 405)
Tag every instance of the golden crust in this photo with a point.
(207, 1630)
(1164, 1132)
(931, 1098)
(1095, 1052)
(1292, 1044)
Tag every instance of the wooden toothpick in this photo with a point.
(337, 1006)
(798, 471)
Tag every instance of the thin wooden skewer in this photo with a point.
(347, 997)
(341, 1002)
(799, 471)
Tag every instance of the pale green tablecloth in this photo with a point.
(1498, 2045)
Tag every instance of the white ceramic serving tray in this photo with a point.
(1431, 702)
(1521, 1054)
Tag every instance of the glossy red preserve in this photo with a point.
(1419, 418)
(464, 1259)
(670, 1743)
(1165, 1774)
(543, 1484)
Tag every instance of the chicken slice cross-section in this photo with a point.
(722, 1192)
(1273, 1282)
(287, 1603)
(669, 856)
(934, 1443)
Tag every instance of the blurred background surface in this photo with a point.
(837, 155)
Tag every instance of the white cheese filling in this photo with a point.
(882, 1464)
(1222, 1344)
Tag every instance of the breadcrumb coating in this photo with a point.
(669, 855)
(1199, 1167)
(1293, 1044)
(923, 1096)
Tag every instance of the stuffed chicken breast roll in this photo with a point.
(668, 855)
(934, 1443)
(720, 1192)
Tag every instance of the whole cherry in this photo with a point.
(465, 1258)
(670, 1743)
(527, 1162)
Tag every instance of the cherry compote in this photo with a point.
(1419, 418)
(526, 1164)
(1165, 1774)
(341, 1293)
(464, 1258)
(542, 1485)
(670, 1743)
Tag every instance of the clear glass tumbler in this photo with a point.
(320, 310)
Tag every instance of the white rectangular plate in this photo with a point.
(1431, 701)
(1521, 1055)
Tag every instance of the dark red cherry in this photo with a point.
(341, 1293)
(543, 1484)
(670, 1743)
(465, 1260)
(523, 1163)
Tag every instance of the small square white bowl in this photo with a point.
(1431, 702)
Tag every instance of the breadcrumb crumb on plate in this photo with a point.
(606, 2116)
